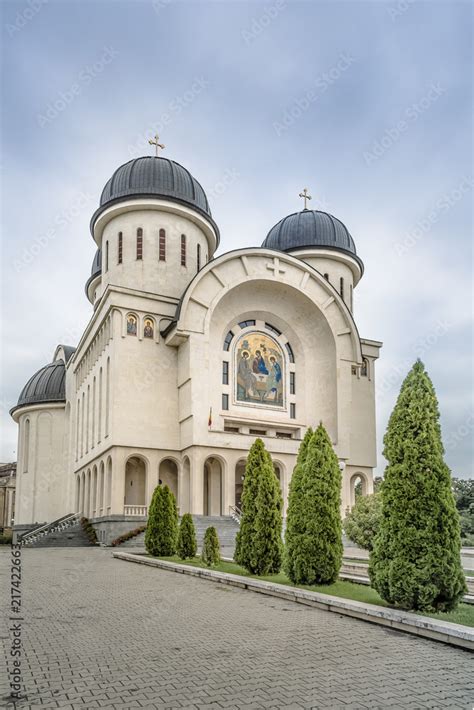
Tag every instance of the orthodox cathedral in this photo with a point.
(188, 357)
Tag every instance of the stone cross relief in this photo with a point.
(276, 268)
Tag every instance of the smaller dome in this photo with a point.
(46, 385)
(310, 229)
(97, 264)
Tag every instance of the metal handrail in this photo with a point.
(42, 530)
(235, 513)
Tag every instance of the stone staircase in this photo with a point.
(226, 530)
(64, 532)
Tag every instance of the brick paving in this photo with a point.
(102, 633)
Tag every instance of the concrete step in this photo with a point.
(226, 530)
(73, 536)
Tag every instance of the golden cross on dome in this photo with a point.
(306, 197)
(155, 143)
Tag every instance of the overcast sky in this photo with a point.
(368, 104)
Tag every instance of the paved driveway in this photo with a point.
(102, 633)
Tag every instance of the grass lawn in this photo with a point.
(464, 614)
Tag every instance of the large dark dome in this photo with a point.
(46, 385)
(309, 229)
(154, 177)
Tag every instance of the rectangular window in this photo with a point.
(225, 401)
(198, 257)
(225, 373)
(293, 410)
(106, 256)
(183, 250)
(139, 243)
(284, 435)
(341, 287)
(120, 246)
(292, 383)
(246, 323)
(258, 432)
(162, 245)
(232, 429)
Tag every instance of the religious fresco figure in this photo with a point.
(148, 329)
(131, 325)
(259, 363)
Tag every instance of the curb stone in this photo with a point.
(424, 626)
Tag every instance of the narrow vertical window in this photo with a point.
(293, 410)
(225, 373)
(198, 257)
(106, 256)
(26, 446)
(88, 404)
(364, 370)
(351, 291)
(99, 418)
(326, 276)
(162, 245)
(341, 287)
(93, 413)
(292, 383)
(139, 243)
(225, 401)
(120, 247)
(107, 397)
(183, 250)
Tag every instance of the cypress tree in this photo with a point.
(315, 553)
(267, 547)
(162, 526)
(187, 545)
(211, 551)
(294, 519)
(243, 542)
(415, 563)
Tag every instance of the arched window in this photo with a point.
(26, 446)
(198, 257)
(341, 287)
(139, 243)
(259, 370)
(120, 246)
(162, 246)
(148, 329)
(364, 370)
(106, 256)
(183, 250)
(228, 340)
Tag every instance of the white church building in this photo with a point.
(188, 357)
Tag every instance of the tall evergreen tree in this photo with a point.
(162, 527)
(267, 545)
(415, 563)
(187, 545)
(294, 519)
(258, 543)
(314, 552)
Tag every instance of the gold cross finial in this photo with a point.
(155, 143)
(306, 197)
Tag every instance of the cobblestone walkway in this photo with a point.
(102, 633)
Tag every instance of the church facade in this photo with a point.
(189, 357)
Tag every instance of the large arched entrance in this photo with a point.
(239, 482)
(212, 494)
(135, 486)
(358, 487)
(168, 475)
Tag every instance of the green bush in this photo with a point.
(89, 530)
(362, 524)
(415, 563)
(314, 532)
(162, 526)
(187, 545)
(258, 544)
(6, 538)
(211, 551)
